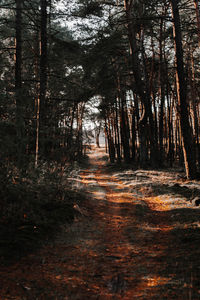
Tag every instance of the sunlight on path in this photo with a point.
(128, 275)
(122, 246)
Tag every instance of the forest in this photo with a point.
(72, 71)
(139, 60)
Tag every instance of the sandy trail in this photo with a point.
(123, 246)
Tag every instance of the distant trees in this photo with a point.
(150, 102)
(139, 58)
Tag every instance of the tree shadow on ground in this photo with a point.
(168, 253)
(173, 189)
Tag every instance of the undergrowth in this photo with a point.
(33, 206)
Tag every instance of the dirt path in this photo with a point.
(128, 243)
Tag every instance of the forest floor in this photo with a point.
(137, 236)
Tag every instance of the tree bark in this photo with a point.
(186, 132)
(133, 135)
(162, 95)
(124, 129)
(111, 147)
(37, 98)
(117, 133)
(18, 84)
(43, 71)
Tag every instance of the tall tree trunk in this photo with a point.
(186, 132)
(18, 84)
(133, 135)
(117, 132)
(80, 112)
(111, 147)
(152, 90)
(70, 132)
(124, 129)
(170, 149)
(97, 133)
(137, 115)
(37, 98)
(162, 93)
(43, 72)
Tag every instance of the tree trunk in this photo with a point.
(143, 147)
(97, 139)
(170, 148)
(111, 147)
(117, 133)
(37, 98)
(133, 134)
(124, 130)
(162, 95)
(18, 84)
(186, 132)
(43, 73)
(137, 115)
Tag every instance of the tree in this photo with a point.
(18, 83)
(186, 132)
(43, 73)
